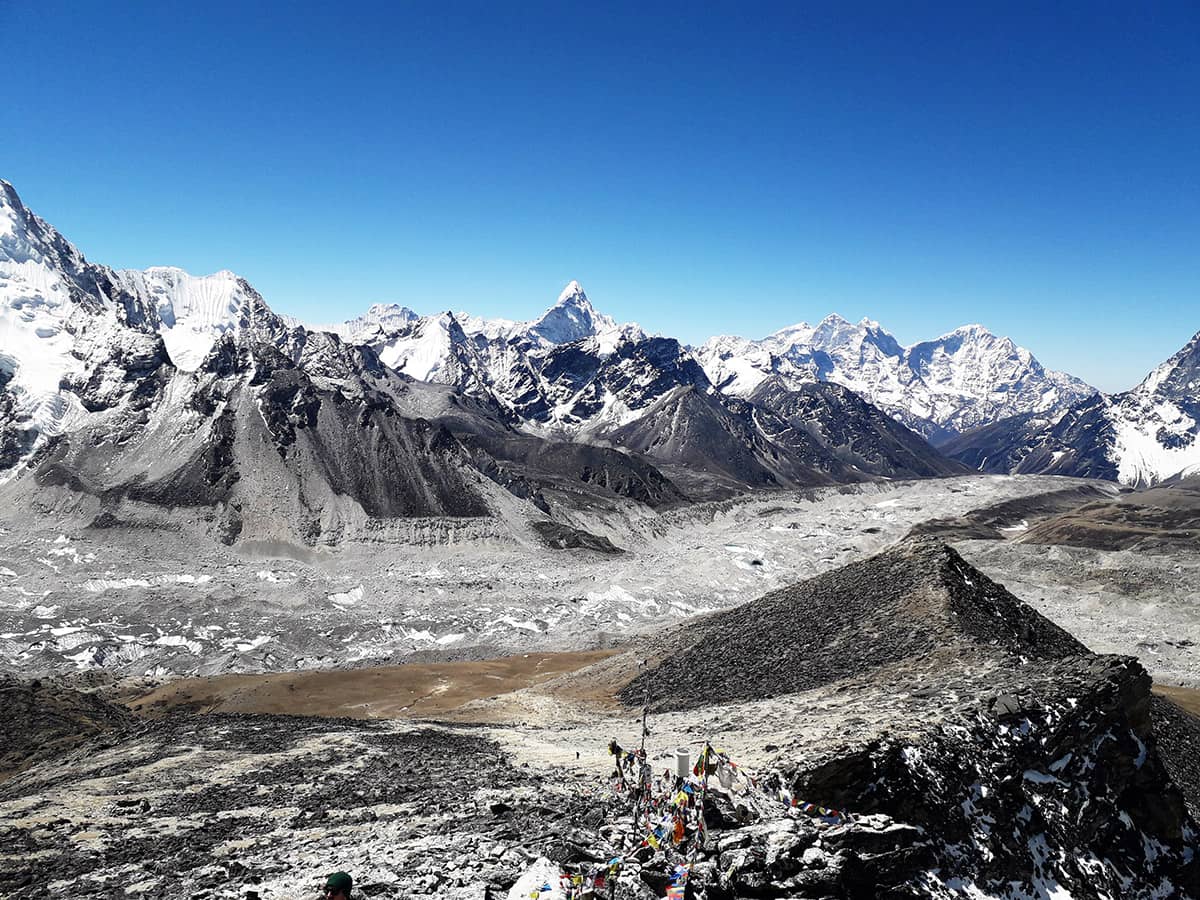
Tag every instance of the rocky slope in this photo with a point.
(1154, 519)
(856, 432)
(42, 719)
(1042, 776)
(916, 599)
(252, 442)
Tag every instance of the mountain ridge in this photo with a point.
(1139, 437)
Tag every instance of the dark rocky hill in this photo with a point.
(1004, 758)
(916, 599)
(854, 431)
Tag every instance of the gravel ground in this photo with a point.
(134, 602)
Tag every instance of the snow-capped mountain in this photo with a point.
(126, 388)
(131, 393)
(72, 339)
(380, 318)
(937, 388)
(1140, 437)
(517, 364)
(571, 318)
(575, 374)
(191, 312)
(423, 345)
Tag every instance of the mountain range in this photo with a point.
(123, 393)
(1139, 437)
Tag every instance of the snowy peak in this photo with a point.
(40, 265)
(572, 293)
(380, 319)
(965, 378)
(430, 348)
(491, 329)
(191, 312)
(1178, 378)
(572, 318)
(799, 334)
(62, 319)
(1157, 424)
(1139, 438)
(832, 333)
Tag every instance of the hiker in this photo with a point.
(338, 886)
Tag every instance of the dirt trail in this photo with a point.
(417, 690)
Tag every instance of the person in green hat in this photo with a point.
(338, 886)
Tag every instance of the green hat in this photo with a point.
(339, 881)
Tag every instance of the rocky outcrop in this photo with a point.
(914, 600)
(43, 718)
(563, 537)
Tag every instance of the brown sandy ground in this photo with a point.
(417, 690)
(427, 690)
(1184, 697)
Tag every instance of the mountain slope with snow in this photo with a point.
(80, 339)
(1140, 437)
(191, 312)
(938, 388)
(72, 338)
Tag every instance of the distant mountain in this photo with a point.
(1140, 437)
(574, 374)
(160, 397)
(157, 388)
(938, 388)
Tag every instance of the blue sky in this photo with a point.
(700, 168)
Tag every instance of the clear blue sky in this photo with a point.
(701, 170)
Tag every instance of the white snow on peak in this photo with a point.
(573, 291)
(425, 350)
(66, 323)
(1142, 455)
(800, 333)
(380, 319)
(492, 329)
(961, 379)
(1183, 369)
(1156, 432)
(571, 318)
(40, 319)
(193, 311)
